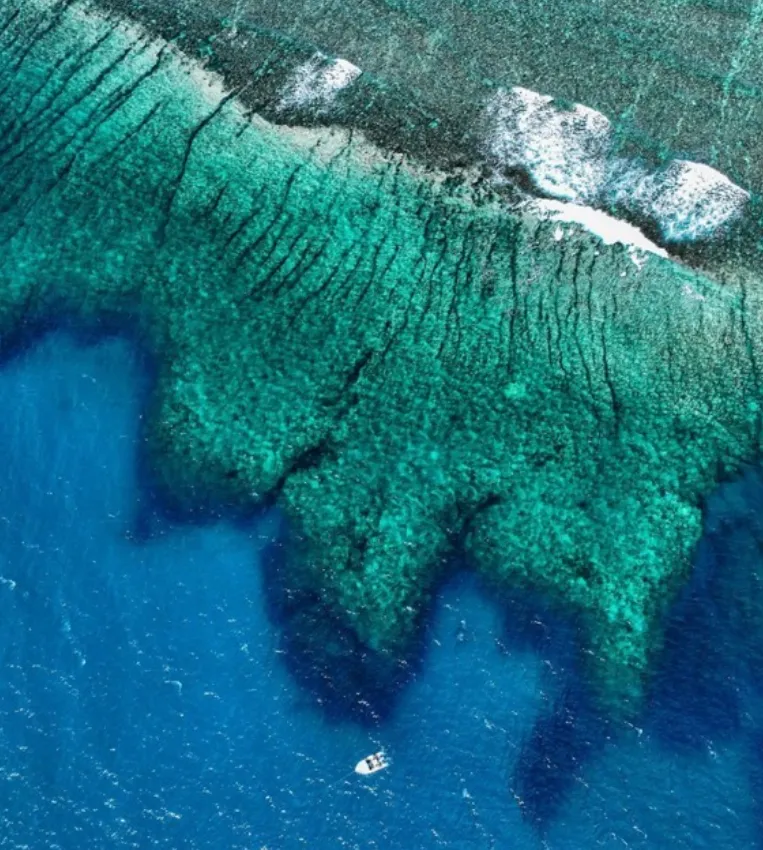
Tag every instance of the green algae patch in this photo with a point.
(405, 367)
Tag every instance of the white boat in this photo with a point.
(372, 764)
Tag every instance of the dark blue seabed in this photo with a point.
(146, 699)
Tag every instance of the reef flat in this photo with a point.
(404, 365)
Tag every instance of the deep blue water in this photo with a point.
(147, 698)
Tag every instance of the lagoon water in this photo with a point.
(147, 699)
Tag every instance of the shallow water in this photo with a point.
(145, 699)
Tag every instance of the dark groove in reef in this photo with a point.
(240, 228)
(249, 249)
(309, 458)
(92, 87)
(615, 402)
(132, 134)
(353, 377)
(329, 279)
(432, 276)
(178, 180)
(9, 21)
(467, 244)
(36, 37)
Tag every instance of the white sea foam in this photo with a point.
(568, 156)
(609, 229)
(687, 201)
(564, 151)
(317, 82)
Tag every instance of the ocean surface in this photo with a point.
(148, 699)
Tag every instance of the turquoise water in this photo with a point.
(150, 697)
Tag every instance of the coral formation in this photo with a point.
(404, 366)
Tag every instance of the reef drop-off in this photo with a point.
(405, 367)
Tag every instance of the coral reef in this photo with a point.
(404, 366)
